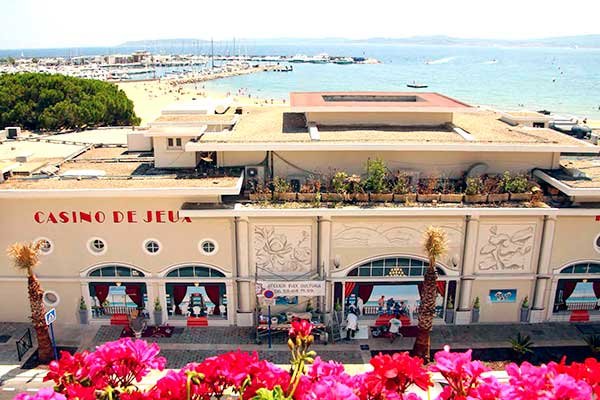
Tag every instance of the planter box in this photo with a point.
(475, 198)
(449, 316)
(360, 197)
(332, 197)
(497, 197)
(475, 315)
(451, 198)
(405, 198)
(83, 317)
(260, 196)
(521, 196)
(382, 197)
(427, 198)
(308, 197)
(524, 314)
(158, 319)
(284, 196)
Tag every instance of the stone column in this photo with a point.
(543, 270)
(244, 312)
(324, 261)
(463, 313)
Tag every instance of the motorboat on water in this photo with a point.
(417, 85)
(344, 60)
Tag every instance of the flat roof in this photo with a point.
(279, 128)
(373, 101)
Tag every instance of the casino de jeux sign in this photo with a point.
(115, 216)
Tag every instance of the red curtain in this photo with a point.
(101, 292)
(364, 291)
(213, 291)
(134, 291)
(348, 288)
(441, 287)
(179, 292)
(568, 289)
(596, 287)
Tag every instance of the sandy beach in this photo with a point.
(150, 97)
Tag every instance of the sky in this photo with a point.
(79, 23)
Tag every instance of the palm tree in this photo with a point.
(435, 245)
(26, 257)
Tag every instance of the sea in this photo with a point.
(562, 80)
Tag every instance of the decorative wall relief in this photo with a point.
(282, 249)
(505, 247)
(402, 238)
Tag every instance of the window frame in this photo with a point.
(92, 248)
(145, 244)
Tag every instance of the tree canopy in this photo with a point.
(52, 102)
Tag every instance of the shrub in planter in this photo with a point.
(338, 189)
(475, 311)
(524, 317)
(376, 183)
(474, 190)
(449, 312)
(261, 193)
(158, 317)
(520, 188)
(309, 190)
(448, 191)
(427, 190)
(83, 312)
(355, 188)
(282, 190)
(402, 190)
(496, 187)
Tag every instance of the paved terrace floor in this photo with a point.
(194, 344)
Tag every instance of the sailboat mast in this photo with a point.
(212, 54)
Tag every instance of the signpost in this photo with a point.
(269, 297)
(50, 317)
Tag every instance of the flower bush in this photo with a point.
(113, 369)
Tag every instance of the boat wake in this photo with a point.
(490, 62)
(440, 61)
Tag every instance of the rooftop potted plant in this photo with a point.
(427, 190)
(376, 182)
(282, 190)
(520, 188)
(403, 192)
(497, 187)
(525, 310)
(260, 192)
(337, 189)
(448, 191)
(158, 315)
(309, 190)
(474, 190)
(356, 189)
(83, 312)
(475, 311)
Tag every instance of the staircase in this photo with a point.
(579, 316)
(195, 322)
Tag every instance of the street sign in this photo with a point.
(50, 316)
(268, 297)
(269, 294)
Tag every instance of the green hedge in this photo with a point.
(52, 102)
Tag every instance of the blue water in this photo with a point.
(558, 79)
(563, 80)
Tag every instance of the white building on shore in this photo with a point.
(184, 218)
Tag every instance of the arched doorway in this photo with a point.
(391, 285)
(116, 291)
(577, 294)
(196, 293)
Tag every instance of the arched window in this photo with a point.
(393, 267)
(117, 271)
(582, 268)
(195, 271)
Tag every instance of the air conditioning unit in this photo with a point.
(13, 132)
(254, 175)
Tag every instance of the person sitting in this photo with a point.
(351, 324)
(395, 325)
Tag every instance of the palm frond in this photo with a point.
(436, 241)
(25, 256)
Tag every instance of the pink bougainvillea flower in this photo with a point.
(42, 394)
(300, 328)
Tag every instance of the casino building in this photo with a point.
(180, 214)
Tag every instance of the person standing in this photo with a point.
(381, 304)
(360, 304)
(395, 325)
(351, 325)
(389, 305)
